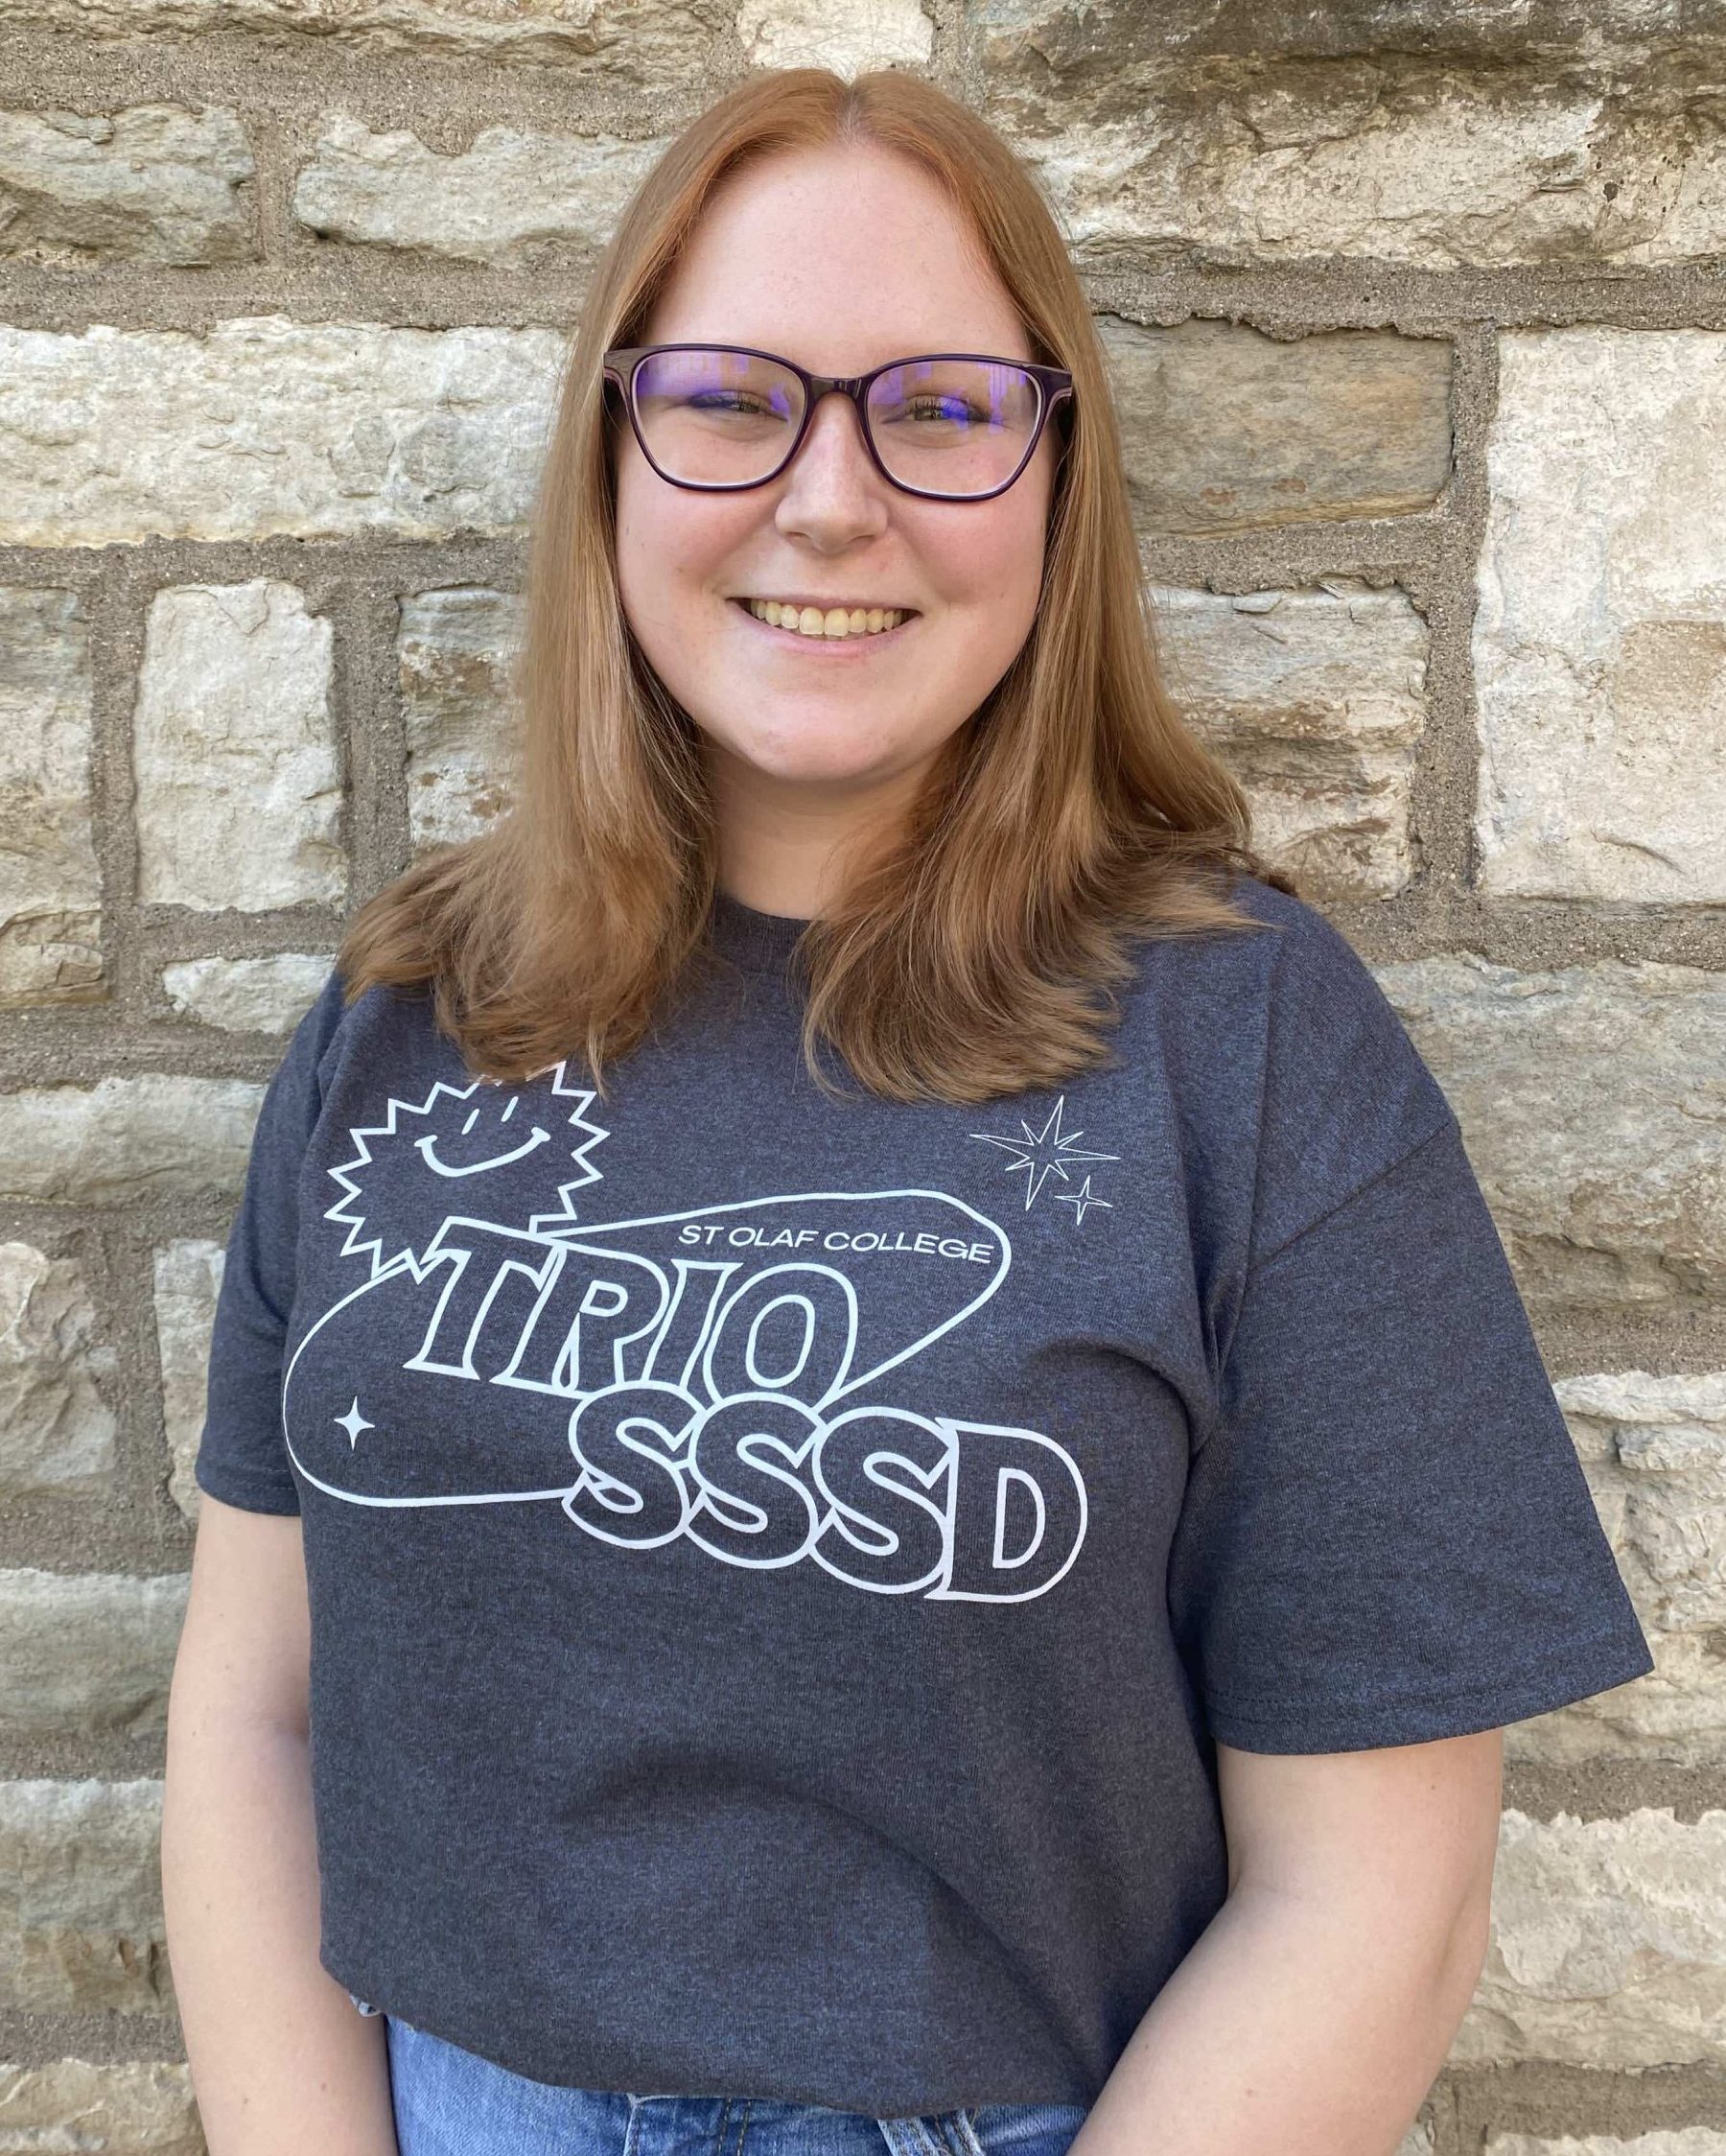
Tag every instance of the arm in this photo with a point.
(281, 2061)
(1314, 2014)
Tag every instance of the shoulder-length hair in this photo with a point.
(1072, 812)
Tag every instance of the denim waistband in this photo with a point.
(437, 2088)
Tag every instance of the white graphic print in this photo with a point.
(700, 1374)
(1082, 1199)
(496, 1146)
(1043, 1153)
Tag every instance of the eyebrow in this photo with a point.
(922, 352)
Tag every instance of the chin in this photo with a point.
(812, 757)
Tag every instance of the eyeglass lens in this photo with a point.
(719, 417)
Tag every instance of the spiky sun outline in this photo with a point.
(357, 1244)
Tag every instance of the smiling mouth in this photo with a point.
(864, 640)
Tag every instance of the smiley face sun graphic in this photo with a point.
(461, 1133)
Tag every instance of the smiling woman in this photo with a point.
(923, 1484)
(959, 466)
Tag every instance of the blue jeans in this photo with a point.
(451, 2102)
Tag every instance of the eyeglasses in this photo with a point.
(949, 425)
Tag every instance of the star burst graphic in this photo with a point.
(1041, 1154)
(458, 1133)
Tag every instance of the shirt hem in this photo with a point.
(602, 2082)
(1464, 1710)
(250, 1494)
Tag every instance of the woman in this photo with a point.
(924, 1486)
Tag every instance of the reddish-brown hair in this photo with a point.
(1072, 813)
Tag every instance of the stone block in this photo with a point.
(239, 797)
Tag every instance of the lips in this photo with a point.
(827, 605)
(825, 644)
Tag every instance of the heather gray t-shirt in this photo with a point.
(777, 1566)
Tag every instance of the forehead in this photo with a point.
(839, 259)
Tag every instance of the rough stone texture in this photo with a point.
(1593, 1100)
(1315, 701)
(498, 202)
(1654, 1450)
(80, 1898)
(848, 35)
(1154, 148)
(50, 883)
(248, 995)
(89, 1654)
(1599, 651)
(264, 426)
(132, 2108)
(125, 1140)
(1224, 429)
(238, 794)
(455, 652)
(57, 1431)
(1683, 2141)
(640, 43)
(187, 1280)
(150, 183)
(1608, 1943)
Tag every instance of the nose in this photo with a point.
(836, 435)
(832, 480)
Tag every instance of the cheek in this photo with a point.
(672, 548)
(1001, 565)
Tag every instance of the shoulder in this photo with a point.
(1289, 971)
(1323, 998)
(342, 1032)
(1289, 1021)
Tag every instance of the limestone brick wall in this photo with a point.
(1416, 311)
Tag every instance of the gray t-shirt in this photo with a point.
(777, 1565)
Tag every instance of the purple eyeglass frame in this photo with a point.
(1054, 386)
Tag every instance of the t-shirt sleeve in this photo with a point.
(242, 1455)
(1386, 1535)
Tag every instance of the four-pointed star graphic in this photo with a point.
(1047, 1151)
(353, 1422)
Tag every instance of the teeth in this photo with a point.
(836, 621)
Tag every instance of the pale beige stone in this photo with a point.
(1608, 1944)
(1599, 652)
(507, 194)
(847, 36)
(125, 2107)
(1314, 699)
(633, 43)
(1679, 2141)
(248, 995)
(148, 183)
(1177, 136)
(57, 1430)
(126, 1141)
(239, 797)
(87, 1653)
(1593, 1101)
(80, 1898)
(187, 1280)
(1224, 429)
(50, 883)
(1654, 1450)
(455, 653)
(262, 427)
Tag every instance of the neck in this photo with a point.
(790, 848)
